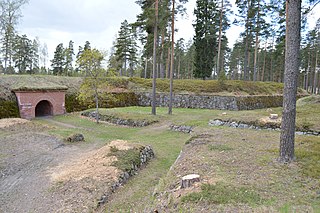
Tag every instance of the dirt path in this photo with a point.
(41, 173)
(24, 159)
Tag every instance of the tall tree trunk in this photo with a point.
(264, 62)
(256, 45)
(146, 67)
(97, 103)
(220, 35)
(246, 49)
(315, 74)
(168, 64)
(308, 71)
(125, 67)
(179, 67)
(172, 60)
(162, 56)
(293, 28)
(155, 60)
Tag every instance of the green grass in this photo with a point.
(125, 158)
(308, 154)
(222, 193)
(219, 147)
(138, 192)
(212, 86)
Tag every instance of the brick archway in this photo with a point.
(41, 103)
(43, 108)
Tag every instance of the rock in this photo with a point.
(274, 116)
(216, 123)
(224, 113)
(234, 125)
(75, 138)
(299, 133)
(243, 126)
(188, 180)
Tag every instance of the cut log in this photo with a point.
(188, 180)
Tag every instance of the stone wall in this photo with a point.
(211, 101)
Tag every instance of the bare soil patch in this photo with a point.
(41, 173)
(7, 122)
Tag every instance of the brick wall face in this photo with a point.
(28, 100)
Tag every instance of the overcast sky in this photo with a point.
(97, 21)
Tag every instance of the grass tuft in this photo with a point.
(222, 193)
(125, 158)
(219, 147)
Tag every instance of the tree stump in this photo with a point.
(188, 180)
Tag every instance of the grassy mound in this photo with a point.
(212, 86)
(37, 82)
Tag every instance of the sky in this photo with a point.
(97, 21)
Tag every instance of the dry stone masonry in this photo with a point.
(182, 128)
(146, 154)
(212, 101)
(242, 125)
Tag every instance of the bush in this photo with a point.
(9, 109)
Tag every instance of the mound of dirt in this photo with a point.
(95, 164)
(7, 122)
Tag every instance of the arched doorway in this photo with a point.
(43, 108)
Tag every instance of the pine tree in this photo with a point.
(69, 53)
(205, 39)
(288, 123)
(23, 54)
(122, 46)
(34, 53)
(10, 15)
(224, 12)
(58, 60)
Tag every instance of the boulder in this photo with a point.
(75, 138)
(216, 123)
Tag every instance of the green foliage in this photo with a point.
(126, 50)
(205, 39)
(125, 158)
(222, 193)
(9, 109)
(58, 60)
(73, 104)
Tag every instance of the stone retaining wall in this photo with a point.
(268, 126)
(146, 154)
(211, 101)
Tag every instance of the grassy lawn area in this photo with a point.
(239, 164)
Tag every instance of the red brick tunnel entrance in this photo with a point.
(43, 108)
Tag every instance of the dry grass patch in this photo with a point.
(239, 173)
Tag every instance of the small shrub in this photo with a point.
(9, 109)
